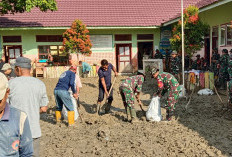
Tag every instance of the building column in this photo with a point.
(211, 42)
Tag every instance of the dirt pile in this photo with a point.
(204, 130)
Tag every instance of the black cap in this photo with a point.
(225, 50)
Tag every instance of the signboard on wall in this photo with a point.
(101, 42)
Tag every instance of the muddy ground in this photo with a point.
(205, 129)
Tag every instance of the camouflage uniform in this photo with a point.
(204, 64)
(127, 89)
(230, 82)
(186, 62)
(214, 67)
(175, 65)
(168, 83)
(167, 61)
(158, 56)
(197, 64)
(223, 71)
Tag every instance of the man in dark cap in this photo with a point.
(29, 95)
(223, 63)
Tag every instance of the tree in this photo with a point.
(195, 31)
(76, 39)
(15, 6)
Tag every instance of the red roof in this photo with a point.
(102, 13)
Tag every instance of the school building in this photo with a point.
(123, 32)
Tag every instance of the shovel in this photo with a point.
(78, 109)
(98, 109)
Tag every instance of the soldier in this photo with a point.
(186, 62)
(230, 53)
(158, 54)
(214, 61)
(204, 64)
(223, 70)
(128, 88)
(230, 82)
(175, 65)
(197, 63)
(167, 83)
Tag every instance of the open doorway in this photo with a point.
(145, 49)
(207, 49)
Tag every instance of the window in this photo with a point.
(123, 37)
(12, 39)
(49, 38)
(223, 35)
(145, 37)
(55, 50)
(229, 34)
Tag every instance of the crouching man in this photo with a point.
(128, 88)
(167, 83)
(15, 133)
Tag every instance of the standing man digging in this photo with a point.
(62, 96)
(29, 95)
(104, 74)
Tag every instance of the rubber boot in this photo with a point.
(169, 115)
(127, 113)
(134, 118)
(70, 118)
(58, 116)
(107, 108)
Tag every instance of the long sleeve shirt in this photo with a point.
(15, 134)
(66, 80)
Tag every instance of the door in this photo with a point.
(12, 52)
(123, 58)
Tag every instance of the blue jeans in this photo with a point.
(63, 98)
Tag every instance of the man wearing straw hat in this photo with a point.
(167, 83)
(8, 71)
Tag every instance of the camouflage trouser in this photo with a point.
(223, 77)
(230, 91)
(172, 100)
(127, 95)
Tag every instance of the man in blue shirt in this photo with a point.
(62, 96)
(104, 74)
(85, 68)
(15, 133)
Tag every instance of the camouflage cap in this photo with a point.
(154, 70)
(174, 52)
